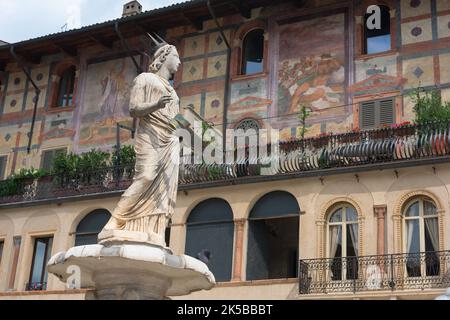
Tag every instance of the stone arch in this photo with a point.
(362, 7)
(56, 73)
(196, 202)
(273, 236)
(237, 44)
(83, 214)
(41, 221)
(398, 216)
(261, 194)
(210, 236)
(322, 223)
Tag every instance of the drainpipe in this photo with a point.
(127, 47)
(36, 99)
(227, 77)
(138, 71)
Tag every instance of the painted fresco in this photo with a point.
(377, 75)
(106, 101)
(311, 69)
(248, 100)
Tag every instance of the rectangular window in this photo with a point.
(375, 114)
(377, 37)
(41, 255)
(48, 157)
(3, 161)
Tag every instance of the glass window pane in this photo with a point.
(335, 241)
(352, 240)
(253, 54)
(431, 234)
(429, 209)
(413, 210)
(351, 214)
(85, 240)
(412, 236)
(47, 258)
(336, 216)
(379, 44)
(38, 263)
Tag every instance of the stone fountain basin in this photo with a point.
(143, 267)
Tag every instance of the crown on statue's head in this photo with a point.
(158, 42)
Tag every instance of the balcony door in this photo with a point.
(421, 231)
(343, 243)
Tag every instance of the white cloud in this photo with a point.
(34, 18)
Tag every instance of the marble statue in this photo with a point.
(146, 207)
(131, 260)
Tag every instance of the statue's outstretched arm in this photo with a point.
(139, 107)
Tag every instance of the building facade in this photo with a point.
(364, 215)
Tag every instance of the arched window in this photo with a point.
(248, 124)
(377, 39)
(253, 52)
(343, 243)
(91, 225)
(421, 231)
(66, 88)
(273, 235)
(209, 236)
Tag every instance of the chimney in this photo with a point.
(131, 8)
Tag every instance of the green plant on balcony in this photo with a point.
(214, 172)
(65, 167)
(93, 165)
(127, 161)
(429, 108)
(304, 114)
(15, 184)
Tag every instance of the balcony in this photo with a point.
(408, 145)
(395, 272)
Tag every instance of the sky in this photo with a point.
(27, 19)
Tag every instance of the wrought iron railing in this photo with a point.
(408, 142)
(70, 184)
(36, 286)
(429, 270)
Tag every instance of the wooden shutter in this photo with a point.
(375, 114)
(3, 167)
(367, 115)
(386, 112)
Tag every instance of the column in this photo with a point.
(17, 241)
(380, 214)
(238, 249)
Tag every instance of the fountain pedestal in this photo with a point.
(131, 271)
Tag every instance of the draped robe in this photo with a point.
(150, 201)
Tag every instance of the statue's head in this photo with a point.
(165, 56)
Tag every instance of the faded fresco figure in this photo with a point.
(146, 207)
